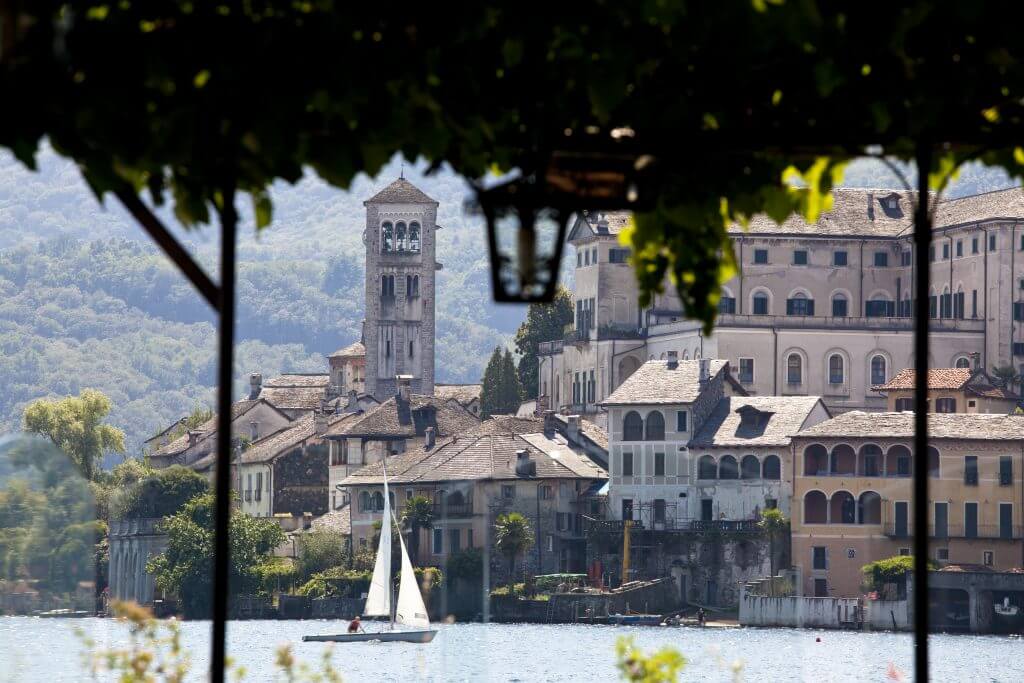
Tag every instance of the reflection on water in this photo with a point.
(33, 649)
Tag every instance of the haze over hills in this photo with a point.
(86, 300)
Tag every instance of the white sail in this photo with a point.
(378, 599)
(410, 609)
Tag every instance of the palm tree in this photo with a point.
(1006, 374)
(417, 514)
(773, 523)
(512, 536)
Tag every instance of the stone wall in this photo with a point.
(300, 481)
(798, 612)
(133, 542)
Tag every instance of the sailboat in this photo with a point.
(409, 610)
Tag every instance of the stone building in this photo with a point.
(853, 491)
(465, 396)
(348, 370)
(816, 309)
(507, 465)
(133, 542)
(951, 390)
(398, 331)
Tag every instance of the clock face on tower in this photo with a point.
(400, 276)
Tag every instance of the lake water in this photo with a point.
(33, 649)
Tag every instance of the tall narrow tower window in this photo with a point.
(414, 236)
(400, 237)
(387, 237)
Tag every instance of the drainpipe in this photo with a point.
(984, 299)
(1013, 287)
(739, 297)
(539, 537)
(952, 294)
(860, 293)
(775, 361)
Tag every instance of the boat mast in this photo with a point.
(385, 519)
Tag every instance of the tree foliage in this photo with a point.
(544, 323)
(75, 426)
(500, 393)
(159, 493)
(320, 550)
(186, 567)
(418, 513)
(773, 525)
(662, 666)
(513, 536)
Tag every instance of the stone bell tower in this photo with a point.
(400, 267)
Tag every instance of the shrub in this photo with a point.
(319, 551)
(337, 582)
(161, 494)
(468, 564)
(276, 574)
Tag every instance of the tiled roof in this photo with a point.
(174, 425)
(339, 520)
(590, 430)
(398, 419)
(354, 349)
(971, 426)
(510, 424)
(866, 212)
(204, 430)
(400, 192)
(269, 447)
(723, 427)
(303, 379)
(463, 393)
(975, 382)
(654, 383)
(938, 378)
(480, 457)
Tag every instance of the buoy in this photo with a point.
(817, 640)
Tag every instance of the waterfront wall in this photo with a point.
(132, 543)
(881, 615)
(656, 597)
(798, 612)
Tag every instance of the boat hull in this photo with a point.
(382, 636)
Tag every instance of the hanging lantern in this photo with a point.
(527, 218)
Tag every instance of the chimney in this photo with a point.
(871, 206)
(673, 360)
(254, 430)
(550, 424)
(573, 428)
(428, 438)
(255, 384)
(319, 422)
(705, 372)
(404, 386)
(976, 360)
(353, 401)
(525, 467)
(193, 437)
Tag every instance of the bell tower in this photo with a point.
(400, 268)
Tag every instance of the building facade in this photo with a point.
(817, 309)
(853, 492)
(951, 390)
(398, 331)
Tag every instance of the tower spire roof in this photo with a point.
(400, 192)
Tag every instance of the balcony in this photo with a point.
(550, 348)
(956, 532)
(846, 322)
(577, 337)
(442, 510)
(620, 331)
(718, 526)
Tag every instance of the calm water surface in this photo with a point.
(33, 649)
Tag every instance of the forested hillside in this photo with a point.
(87, 301)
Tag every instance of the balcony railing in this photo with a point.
(550, 347)
(445, 510)
(580, 336)
(620, 331)
(718, 526)
(953, 531)
(846, 322)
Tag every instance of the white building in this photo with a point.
(687, 445)
(817, 309)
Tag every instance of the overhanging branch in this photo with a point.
(165, 240)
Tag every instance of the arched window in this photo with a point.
(378, 501)
(869, 461)
(655, 426)
(836, 371)
(799, 304)
(963, 362)
(456, 499)
(898, 462)
(772, 468)
(364, 501)
(387, 285)
(933, 462)
(815, 508)
(400, 243)
(727, 468)
(840, 306)
(843, 508)
(706, 468)
(869, 508)
(815, 461)
(387, 241)
(750, 467)
(414, 236)
(632, 427)
(794, 369)
(843, 460)
(760, 303)
(878, 370)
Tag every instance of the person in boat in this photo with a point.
(701, 616)
(355, 626)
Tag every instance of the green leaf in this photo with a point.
(262, 208)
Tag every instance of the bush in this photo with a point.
(337, 582)
(161, 494)
(468, 564)
(319, 551)
(891, 570)
(276, 574)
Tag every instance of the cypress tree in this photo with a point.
(511, 392)
(490, 392)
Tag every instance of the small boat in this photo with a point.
(635, 619)
(409, 611)
(1005, 609)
